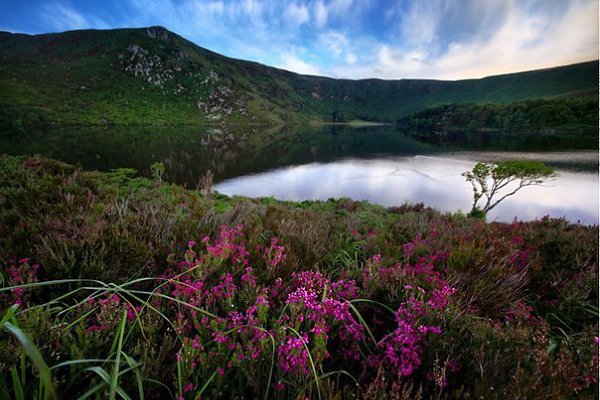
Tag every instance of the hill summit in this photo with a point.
(152, 75)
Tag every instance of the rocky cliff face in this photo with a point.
(167, 67)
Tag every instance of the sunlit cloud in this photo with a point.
(441, 39)
(293, 62)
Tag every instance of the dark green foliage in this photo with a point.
(496, 182)
(569, 114)
(153, 76)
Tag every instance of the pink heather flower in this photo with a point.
(249, 278)
(293, 357)
(132, 313)
(346, 289)
(95, 328)
(220, 337)
(275, 254)
(374, 260)
(195, 343)
(191, 244)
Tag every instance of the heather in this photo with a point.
(115, 286)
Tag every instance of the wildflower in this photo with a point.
(292, 355)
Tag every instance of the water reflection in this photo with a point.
(188, 152)
(374, 163)
(436, 181)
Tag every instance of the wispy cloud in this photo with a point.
(321, 13)
(296, 14)
(293, 62)
(523, 39)
(63, 17)
(355, 38)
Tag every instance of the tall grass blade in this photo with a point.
(114, 382)
(107, 378)
(17, 385)
(310, 359)
(208, 381)
(138, 375)
(34, 354)
(4, 392)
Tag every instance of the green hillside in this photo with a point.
(569, 114)
(153, 76)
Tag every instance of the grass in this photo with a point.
(82, 78)
(115, 286)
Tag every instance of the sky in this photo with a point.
(388, 39)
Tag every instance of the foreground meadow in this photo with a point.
(114, 286)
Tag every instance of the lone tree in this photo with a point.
(489, 180)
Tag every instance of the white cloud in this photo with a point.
(429, 39)
(63, 18)
(292, 62)
(419, 25)
(525, 40)
(212, 7)
(296, 14)
(321, 13)
(335, 42)
(351, 58)
(340, 6)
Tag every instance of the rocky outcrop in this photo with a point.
(209, 92)
(140, 63)
(223, 101)
(158, 32)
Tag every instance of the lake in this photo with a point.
(378, 164)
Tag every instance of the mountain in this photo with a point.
(153, 76)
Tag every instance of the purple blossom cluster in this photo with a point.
(18, 273)
(401, 349)
(228, 319)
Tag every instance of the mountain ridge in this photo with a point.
(160, 27)
(152, 75)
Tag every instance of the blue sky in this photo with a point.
(444, 39)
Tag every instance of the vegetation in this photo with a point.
(114, 286)
(489, 181)
(153, 76)
(571, 114)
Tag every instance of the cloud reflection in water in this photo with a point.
(435, 181)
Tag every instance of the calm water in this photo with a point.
(435, 181)
(377, 164)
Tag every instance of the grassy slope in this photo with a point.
(79, 77)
